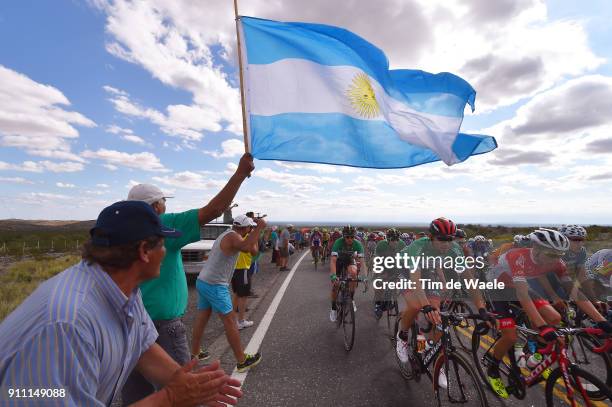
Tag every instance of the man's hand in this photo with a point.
(431, 314)
(245, 166)
(207, 385)
(261, 223)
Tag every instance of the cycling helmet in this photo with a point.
(372, 236)
(550, 239)
(573, 231)
(324, 230)
(422, 234)
(348, 231)
(442, 227)
(393, 234)
(404, 236)
(460, 234)
(471, 240)
(480, 238)
(518, 239)
(316, 229)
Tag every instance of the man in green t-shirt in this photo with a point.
(346, 257)
(165, 297)
(387, 248)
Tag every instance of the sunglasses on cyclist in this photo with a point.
(349, 237)
(444, 238)
(576, 239)
(553, 255)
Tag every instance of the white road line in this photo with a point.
(262, 328)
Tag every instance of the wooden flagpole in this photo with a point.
(244, 120)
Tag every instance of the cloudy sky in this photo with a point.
(98, 95)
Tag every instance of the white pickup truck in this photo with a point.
(195, 254)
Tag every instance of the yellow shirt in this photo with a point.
(244, 260)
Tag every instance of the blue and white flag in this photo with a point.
(318, 93)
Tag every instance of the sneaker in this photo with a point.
(354, 306)
(244, 324)
(401, 348)
(249, 362)
(202, 355)
(495, 381)
(442, 380)
(333, 315)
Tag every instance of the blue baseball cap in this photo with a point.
(126, 222)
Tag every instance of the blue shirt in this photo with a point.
(77, 331)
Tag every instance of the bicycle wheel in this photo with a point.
(465, 327)
(392, 312)
(348, 323)
(463, 385)
(579, 380)
(599, 364)
(481, 345)
(409, 370)
(316, 259)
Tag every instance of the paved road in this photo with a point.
(304, 361)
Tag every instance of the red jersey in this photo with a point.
(518, 265)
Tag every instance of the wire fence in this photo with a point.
(39, 246)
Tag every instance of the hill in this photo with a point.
(21, 225)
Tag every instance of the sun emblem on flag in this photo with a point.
(361, 95)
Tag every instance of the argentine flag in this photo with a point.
(318, 93)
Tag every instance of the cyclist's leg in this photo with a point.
(352, 273)
(548, 312)
(507, 328)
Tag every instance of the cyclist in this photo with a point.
(480, 246)
(517, 242)
(406, 238)
(326, 237)
(439, 245)
(316, 239)
(371, 248)
(346, 257)
(599, 274)
(515, 268)
(335, 236)
(387, 248)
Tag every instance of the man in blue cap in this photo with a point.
(82, 332)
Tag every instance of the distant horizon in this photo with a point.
(356, 224)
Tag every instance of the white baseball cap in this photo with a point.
(147, 193)
(243, 221)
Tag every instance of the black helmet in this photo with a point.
(460, 234)
(348, 231)
(393, 234)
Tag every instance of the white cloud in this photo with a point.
(133, 139)
(32, 117)
(64, 185)
(294, 179)
(508, 190)
(144, 161)
(230, 148)
(41, 166)
(190, 180)
(16, 180)
(103, 186)
(173, 43)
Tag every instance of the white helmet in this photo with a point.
(550, 239)
(404, 236)
(480, 238)
(573, 231)
(518, 239)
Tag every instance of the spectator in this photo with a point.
(285, 236)
(165, 297)
(212, 285)
(275, 246)
(68, 334)
(241, 282)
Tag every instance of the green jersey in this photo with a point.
(383, 248)
(424, 249)
(340, 247)
(165, 297)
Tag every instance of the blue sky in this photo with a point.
(96, 96)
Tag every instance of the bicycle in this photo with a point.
(575, 381)
(582, 348)
(325, 254)
(461, 379)
(391, 309)
(316, 255)
(345, 306)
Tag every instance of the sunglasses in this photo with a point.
(576, 239)
(444, 238)
(553, 255)
(349, 237)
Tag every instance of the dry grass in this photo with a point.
(23, 277)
